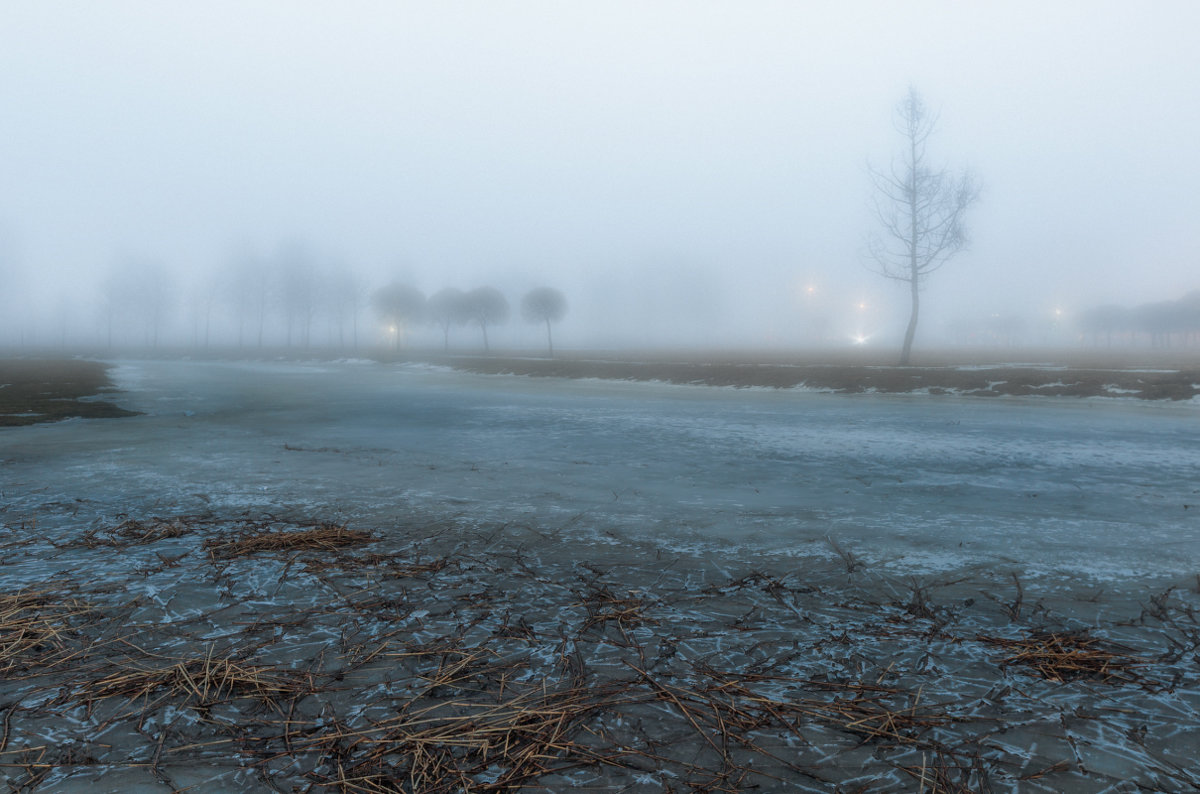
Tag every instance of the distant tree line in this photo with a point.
(295, 297)
(1161, 323)
(403, 307)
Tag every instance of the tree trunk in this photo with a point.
(549, 339)
(914, 271)
(483, 327)
(906, 352)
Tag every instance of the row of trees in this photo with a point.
(1163, 323)
(288, 298)
(294, 297)
(402, 306)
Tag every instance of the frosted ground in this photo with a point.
(887, 545)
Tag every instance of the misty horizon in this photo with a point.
(686, 176)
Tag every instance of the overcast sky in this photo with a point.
(611, 149)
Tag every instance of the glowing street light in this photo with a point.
(860, 336)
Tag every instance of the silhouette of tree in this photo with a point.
(138, 291)
(399, 306)
(299, 290)
(1161, 320)
(345, 299)
(204, 300)
(1189, 315)
(1106, 320)
(544, 305)
(250, 292)
(448, 307)
(486, 306)
(919, 208)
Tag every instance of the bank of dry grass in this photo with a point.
(48, 390)
(1085, 377)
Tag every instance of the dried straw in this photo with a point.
(1067, 656)
(35, 627)
(324, 537)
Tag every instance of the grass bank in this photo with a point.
(852, 377)
(48, 390)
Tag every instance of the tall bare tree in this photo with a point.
(920, 209)
(138, 293)
(345, 296)
(299, 285)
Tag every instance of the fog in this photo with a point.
(685, 174)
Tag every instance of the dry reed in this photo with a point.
(323, 537)
(201, 681)
(1066, 656)
(466, 670)
(34, 627)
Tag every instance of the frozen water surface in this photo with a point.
(1105, 488)
(588, 537)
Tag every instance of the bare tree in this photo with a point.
(113, 299)
(299, 276)
(544, 304)
(250, 291)
(919, 208)
(398, 305)
(486, 306)
(345, 294)
(1107, 320)
(138, 292)
(203, 299)
(155, 295)
(448, 307)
